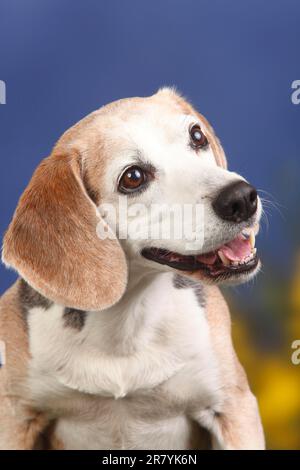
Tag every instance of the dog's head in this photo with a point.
(141, 181)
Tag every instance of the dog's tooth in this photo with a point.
(246, 234)
(254, 251)
(223, 258)
(252, 239)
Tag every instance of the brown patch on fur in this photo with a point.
(50, 439)
(215, 143)
(52, 240)
(74, 318)
(55, 443)
(219, 320)
(92, 192)
(30, 298)
(239, 420)
(20, 424)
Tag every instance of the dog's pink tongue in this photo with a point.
(237, 249)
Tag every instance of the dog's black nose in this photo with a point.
(236, 202)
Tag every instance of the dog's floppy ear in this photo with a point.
(52, 240)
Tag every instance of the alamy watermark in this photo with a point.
(2, 92)
(152, 222)
(295, 358)
(2, 354)
(295, 96)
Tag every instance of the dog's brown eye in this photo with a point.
(132, 179)
(198, 139)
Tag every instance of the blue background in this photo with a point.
(235, 60)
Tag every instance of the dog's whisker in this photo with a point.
(266, 203)
(272, 203)
(265, 220)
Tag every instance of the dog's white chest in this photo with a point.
(127, 383)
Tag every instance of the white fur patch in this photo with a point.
(127, 378)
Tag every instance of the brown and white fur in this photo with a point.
(105, 349)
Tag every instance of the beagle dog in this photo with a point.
(124, 342)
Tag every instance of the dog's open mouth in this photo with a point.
(234, 258)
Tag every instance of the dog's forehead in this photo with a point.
(149, 125)
(141, 121)
(154, 123)
(163, 116)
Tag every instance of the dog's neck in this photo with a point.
(131, 313)
(139, 278)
